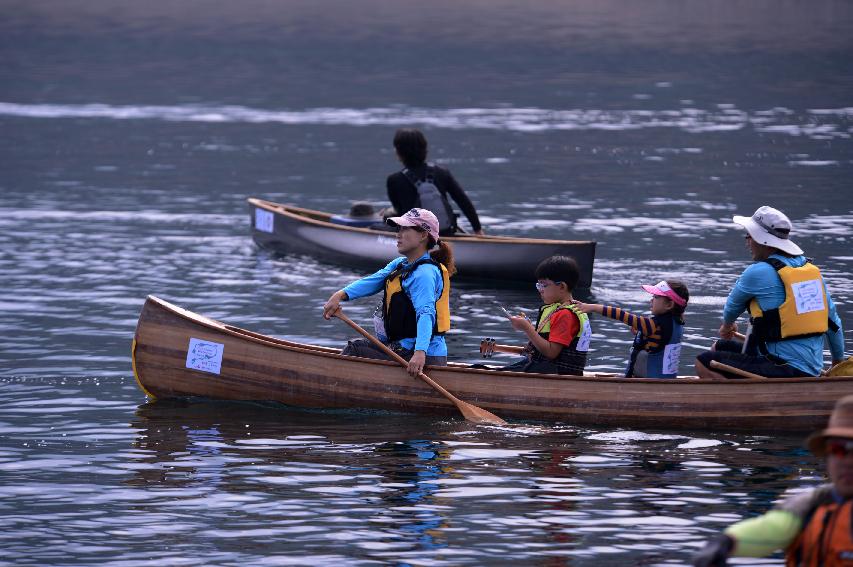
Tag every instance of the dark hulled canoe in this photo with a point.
(285, 228)
(177, 353)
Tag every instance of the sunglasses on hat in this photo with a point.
(839, 447)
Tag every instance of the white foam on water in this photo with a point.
(477, 454)
(520, 119)
(813, 162)
(704, 465)
(700, 444)
(119, 216)
(478, 492)
(623, 436)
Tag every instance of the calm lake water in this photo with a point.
(132, 136)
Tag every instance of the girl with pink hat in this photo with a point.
(657, 343)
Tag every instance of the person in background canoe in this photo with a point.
(361, 215)
(813, 527)
(415, 309)
(559, 341)
(657, 344)
(791, 309)
(425, 185)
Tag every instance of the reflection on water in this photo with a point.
(133, 135)
(213, 480)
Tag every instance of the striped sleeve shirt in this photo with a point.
(645, 325)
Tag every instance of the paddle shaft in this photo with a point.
(508, 349)
(733, 370)
(469, 411)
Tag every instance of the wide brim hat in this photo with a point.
(840, 425)
(770, 227)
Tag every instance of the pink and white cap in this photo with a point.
(662, 288)
(420, 218)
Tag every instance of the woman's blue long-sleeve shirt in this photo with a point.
(760, 281)
(423, 286)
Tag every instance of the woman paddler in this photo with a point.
(415, 309)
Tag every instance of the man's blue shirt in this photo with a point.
(761, 281)
(423, 286)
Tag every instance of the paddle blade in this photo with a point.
(478, 415)
(844, 368)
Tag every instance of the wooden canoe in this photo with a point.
(177, 353)
(284, 228)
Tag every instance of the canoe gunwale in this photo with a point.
(301, 214)
(452, 367)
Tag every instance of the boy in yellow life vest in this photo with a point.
(559, 340)
(813, 527)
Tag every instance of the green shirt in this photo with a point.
(778, 528)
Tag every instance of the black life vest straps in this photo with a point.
(398, 312)
(767, 327)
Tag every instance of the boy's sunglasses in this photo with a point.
(839, 448)
(540, 286)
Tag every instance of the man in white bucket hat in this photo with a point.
(790, 308)
(769, 227)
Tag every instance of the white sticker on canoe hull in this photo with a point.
(205, 355)
(264, 220)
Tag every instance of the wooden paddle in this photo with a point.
(469, 411)
(733, 370)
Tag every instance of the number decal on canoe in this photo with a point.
(385, 241)
(205, 356)
(263, 220)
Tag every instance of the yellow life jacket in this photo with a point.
(572, 358)
(543, 322)
(805, 311)
(398, 313)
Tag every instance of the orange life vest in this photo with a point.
(826, 541)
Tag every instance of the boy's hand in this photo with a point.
(521, 322)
